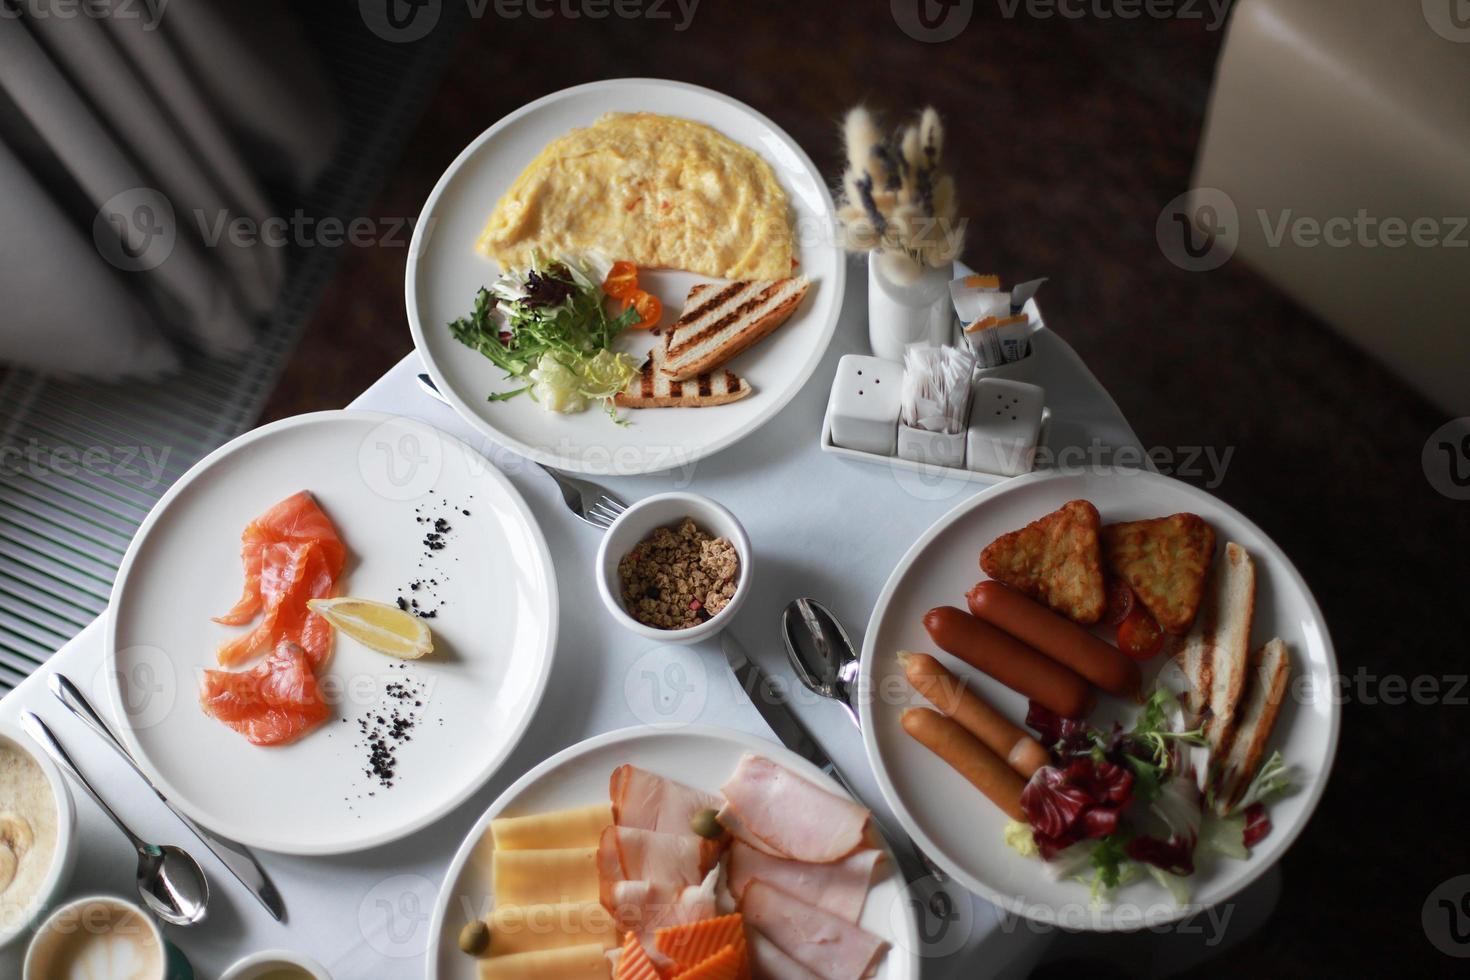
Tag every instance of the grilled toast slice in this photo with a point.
(1165, 561)
(1213, 654)
(1265, 689)
(654, 389)
(720, 321)
(1056, 560)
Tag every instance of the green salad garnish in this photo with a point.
(548, 326)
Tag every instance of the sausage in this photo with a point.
(954, 700)
(982, 767)
(1057, 637)
(1009, 661)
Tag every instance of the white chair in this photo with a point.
(1340, 130)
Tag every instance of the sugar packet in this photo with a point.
(936, 388)
(995, 326)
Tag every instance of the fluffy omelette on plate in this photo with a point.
(658, 191)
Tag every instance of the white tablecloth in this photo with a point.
(821, 526)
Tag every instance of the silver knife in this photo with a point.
(240, 862)
(794, 734)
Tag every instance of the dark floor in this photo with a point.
(1073, 136)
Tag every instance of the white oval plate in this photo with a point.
(445, 272)
(700, 756)
(494, 632)
(958, 827)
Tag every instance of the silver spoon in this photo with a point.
(238, 859)
(170, 882)
(821, 653)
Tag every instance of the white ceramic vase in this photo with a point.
(907, 304)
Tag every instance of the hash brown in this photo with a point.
(1165, 560)
(1056, 560)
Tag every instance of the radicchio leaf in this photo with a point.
(1051, 805)
(1257, 824)
(1175, 855)
(1103, 781)
(1051, 727)
(1099, 821)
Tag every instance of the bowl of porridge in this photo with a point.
(674, 568)
(37, 832)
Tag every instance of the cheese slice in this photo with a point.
(572, 963)
(518, 929)
(580, 827)
(546, 877)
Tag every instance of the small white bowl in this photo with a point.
(637, 523)
(257, 964)
(14, 921)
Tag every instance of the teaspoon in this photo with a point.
(170, 882)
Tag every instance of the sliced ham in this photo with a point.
(840, 887)
(627, 853)
(774, 810)
(767, 962)
(648, 801)
(826, 944)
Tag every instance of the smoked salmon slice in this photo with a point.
(275, 702)
(290, 553)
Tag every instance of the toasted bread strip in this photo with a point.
(1270, 667)
(720, 322)
(1213, 654)
(654, 389)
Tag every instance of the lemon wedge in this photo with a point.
(384, 628)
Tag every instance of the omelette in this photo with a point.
(657, 191)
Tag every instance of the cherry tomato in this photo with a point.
(650, 310)
(1120, 602)
(622, 280)
(1139, 634)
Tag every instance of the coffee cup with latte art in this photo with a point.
(103, 938)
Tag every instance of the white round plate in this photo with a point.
(494, 632)
(445, 273)
(958, 827)
(699, 756)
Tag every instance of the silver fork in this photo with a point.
(592, 503)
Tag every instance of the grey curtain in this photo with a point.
(145, 147)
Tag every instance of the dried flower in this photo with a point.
(894, 196)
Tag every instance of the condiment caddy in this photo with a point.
(983, 431)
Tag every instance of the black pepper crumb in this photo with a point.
(436, 538)
(385, 729)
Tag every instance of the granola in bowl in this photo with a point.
(678, 577)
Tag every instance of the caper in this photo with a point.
(706, 823)
(474, 938)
